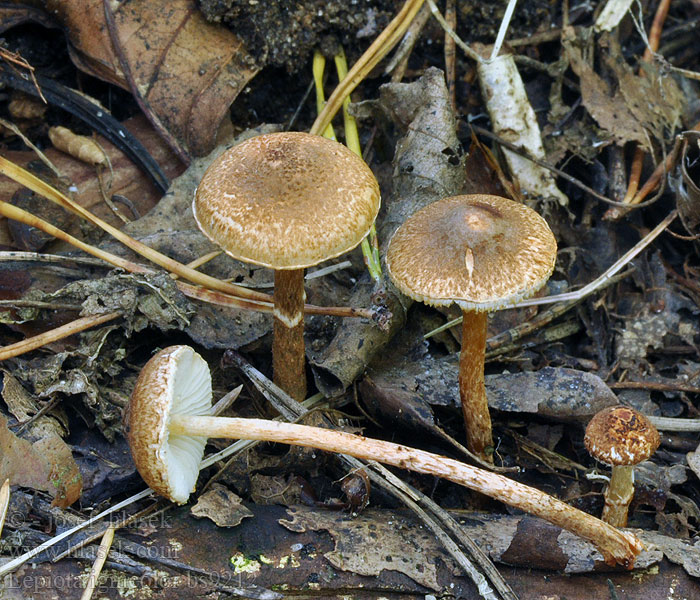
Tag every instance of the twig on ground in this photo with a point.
(102, 553)
(674, 423)
(4, 502)
(56, 334)
(17, 562)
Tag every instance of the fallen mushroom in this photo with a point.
(482, 253)
(167, 427)
(621, 438)
(287, 201)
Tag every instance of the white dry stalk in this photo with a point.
(17, 562)
(512, 116)
(514, 120)
(611, 15)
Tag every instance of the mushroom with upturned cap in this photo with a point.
(620, 437)
(287, 201)
(167, 425)
(482, 253)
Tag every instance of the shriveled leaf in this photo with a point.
(400, 547)
(640, 108)
(46, 465)
(185, 69)
(24, 407)
(222, 506)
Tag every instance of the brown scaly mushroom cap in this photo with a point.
(481, 252)
(621, 436)
(287, 200)
(176, 380)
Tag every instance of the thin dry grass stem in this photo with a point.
(102, 553)
(399, 62)
(450, 53)
(18, 561)
(121, 524)
(214, 297)
(657, 386)
(452, 33)
(384, 42)
(56, 334)
(4, 502)
(191, 291)
(18, 214)
(27, 142)
(15, 59)
(674, 423)
(38, 186)
(659, 173)
(14, 255)
(202, 260)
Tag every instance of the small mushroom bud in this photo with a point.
(620, 437)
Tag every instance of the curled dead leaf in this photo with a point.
(46, 465)
(183, 70)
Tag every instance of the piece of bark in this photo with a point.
(543, 561)
(222, 506)
(421, 379)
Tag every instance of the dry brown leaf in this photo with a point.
(187, 71)
(608, 109)
(642, 107)
(46, 465)
(220, 505)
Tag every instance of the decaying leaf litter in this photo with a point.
(641, 330)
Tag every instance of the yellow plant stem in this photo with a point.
(318, 68)
(385, 41)
(370, 247)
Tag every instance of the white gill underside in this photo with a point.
(192, 394)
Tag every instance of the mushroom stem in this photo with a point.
(617, 547)
(288, 355)
(472, 391)
(619, 495)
